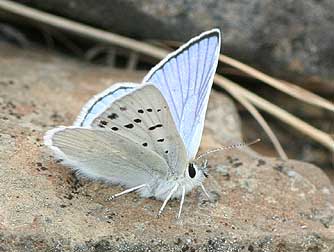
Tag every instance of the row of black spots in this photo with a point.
(155, 126)
(102, 124)
(159, 140)
(141, 111)
(146, 144)
(129, 126)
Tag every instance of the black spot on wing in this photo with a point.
(104, 122)
(161, 140)
(114, 128)
(144, 144)
(140, 111)
(149, 110)
(155, 126)
(158, 110)
(137, 120)
(112, 116)
(129, 126)
(166, 151)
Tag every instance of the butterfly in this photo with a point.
(145, 137)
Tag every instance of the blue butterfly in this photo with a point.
(146, 137)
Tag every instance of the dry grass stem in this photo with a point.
(81, 29)
(289, 88)
(276, 111)
(259, 118)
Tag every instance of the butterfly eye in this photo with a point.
(191, 170)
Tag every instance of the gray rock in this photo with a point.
(288, 39)
(44, 207)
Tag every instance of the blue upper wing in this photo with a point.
(102, 101)
(185, 79)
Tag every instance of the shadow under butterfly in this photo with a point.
(146, 137)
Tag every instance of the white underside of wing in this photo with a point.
(100, 154)
(137, 165)
(100, 102)
(144, 117)
(65, 160)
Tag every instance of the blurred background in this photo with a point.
(288, 40)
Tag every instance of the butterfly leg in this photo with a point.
(167, 199)
(182, 201)
(205, 192)
(127, 191)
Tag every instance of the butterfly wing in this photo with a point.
(185, 78)
(101, 102)
(143, 117)
(106, 155)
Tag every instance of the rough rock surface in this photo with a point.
(294, 36)
(261, 204)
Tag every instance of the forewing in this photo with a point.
(107, 155)
(143, 117)
(101, 102)
(185, 78)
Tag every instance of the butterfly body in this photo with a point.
(160, 188)
(145, 137)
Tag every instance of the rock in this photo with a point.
(288, 39)
(261, 204)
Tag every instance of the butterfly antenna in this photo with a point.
(233, 146)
